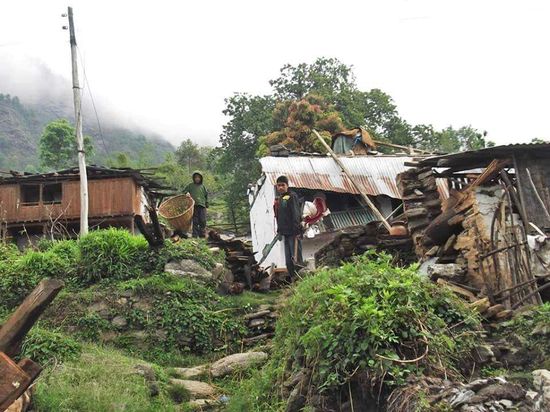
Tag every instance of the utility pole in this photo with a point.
(79, 138)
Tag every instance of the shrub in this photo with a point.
(44, 346)
(112, 254)
(8, 251)
(368, 320)
(179, 394)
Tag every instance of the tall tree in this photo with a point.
(58, 148)
(188, 155)
(249, 118)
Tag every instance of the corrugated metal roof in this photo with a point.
(486, 155)
(347, 218)
(375, 174)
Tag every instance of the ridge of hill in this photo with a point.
(21, 125)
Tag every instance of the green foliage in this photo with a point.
(20, 274)
(194, 316)
(451, 140)
(532, 328)
(58, 146)
(189, 156)
(8, 251)
(45, 346)
(362, 319)
(179, 394)
(111, 254)
(90, 327)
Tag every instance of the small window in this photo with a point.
(30, 194)
(52, 193)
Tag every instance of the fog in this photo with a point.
(166, 66)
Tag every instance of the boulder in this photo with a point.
(189, 268)
(197, 389)
(498, 391)
(119, 322)
(541, 382)
(483, 354)
(231, 363)
(101, 309)
(191, 373)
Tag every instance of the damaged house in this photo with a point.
(311, 175)
(489, 237)
(48, 204)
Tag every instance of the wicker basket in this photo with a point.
(178, 212)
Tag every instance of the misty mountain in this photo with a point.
(21, 126)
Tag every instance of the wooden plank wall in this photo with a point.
(108, 197)
(539, 169)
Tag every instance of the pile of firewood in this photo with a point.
(421, 201)
(357, 240)
(15, 378)
(260, 325)
(240, 260)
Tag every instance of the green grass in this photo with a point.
(102, 379)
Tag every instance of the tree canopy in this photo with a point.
(58, 148)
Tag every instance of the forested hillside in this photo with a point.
(21, 125)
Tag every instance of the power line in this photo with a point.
(87, 83)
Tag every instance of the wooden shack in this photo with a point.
(34, 205)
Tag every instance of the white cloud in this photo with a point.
(168, 65)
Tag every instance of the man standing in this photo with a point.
(288, 212)
(199, 194)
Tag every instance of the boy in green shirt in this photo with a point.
(198, 192)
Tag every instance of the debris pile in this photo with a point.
(481, 395)
(421, 201)
(260, 325)
(484, 232)
(357, 240)
(240, 260)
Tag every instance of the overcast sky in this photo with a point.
(168, 65)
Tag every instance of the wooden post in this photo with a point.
(79, 138)
(350, 177)
(21, 321)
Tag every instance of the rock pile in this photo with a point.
(260, 324)
(203, 394)
(240, 260)
(357, 240)
(481, 395)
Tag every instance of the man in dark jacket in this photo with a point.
(199, 194)
(288, 212)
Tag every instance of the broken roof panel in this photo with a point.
(482, 157)
(375, 174)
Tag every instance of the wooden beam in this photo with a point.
(350, 177)
(21, 321)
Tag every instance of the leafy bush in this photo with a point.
(111, 254)
(8, 251)
(371, 321)
(43, 346)
(532, 328)
(20, 275)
